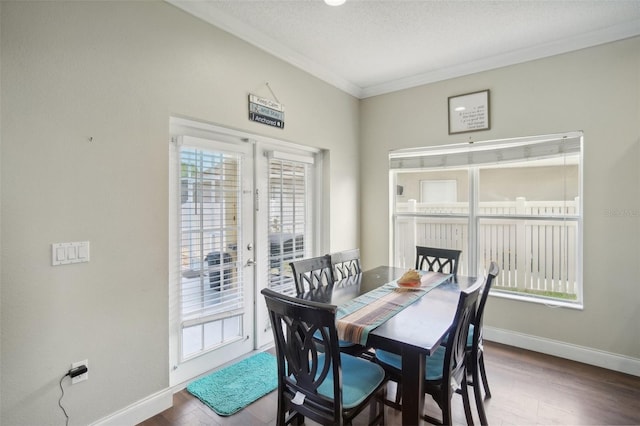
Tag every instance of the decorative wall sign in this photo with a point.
(469, 112)
(266, 111)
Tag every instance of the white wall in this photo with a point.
(116, 72)
(596, 90)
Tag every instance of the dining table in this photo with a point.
(414, 332)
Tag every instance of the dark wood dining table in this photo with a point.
(414, 332)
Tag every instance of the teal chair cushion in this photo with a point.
(435, 362)
(341, 343)
(360, 378)
(469, 337)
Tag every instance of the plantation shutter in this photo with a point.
(210, 231)
(289, 231)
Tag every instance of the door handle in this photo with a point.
(250, 262)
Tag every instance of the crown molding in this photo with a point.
(583, 41)
(258, 39)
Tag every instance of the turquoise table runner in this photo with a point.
(356, 318)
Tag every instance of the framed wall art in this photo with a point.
(469, 112)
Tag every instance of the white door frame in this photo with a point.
(179, 372)
(184, 369)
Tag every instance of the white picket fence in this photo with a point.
(536, 248)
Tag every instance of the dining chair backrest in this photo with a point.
(455, 353)
(437, 259)
(310, 274)
(345, 263)
(475, 355)
(493, 271)
(304, 364)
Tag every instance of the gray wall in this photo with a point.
(596, 90)
(116, 72)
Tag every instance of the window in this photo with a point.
(290, 219)
(210, 290)
(517, 203)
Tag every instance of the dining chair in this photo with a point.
(345, 263)
(437, 259)
(322, 384)
(315, 274)
(312, 273)
(446, 367)
(475, 351)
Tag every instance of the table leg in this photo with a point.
(413, 365)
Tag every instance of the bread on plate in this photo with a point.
(411, 278)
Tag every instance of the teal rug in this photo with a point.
(229, 390)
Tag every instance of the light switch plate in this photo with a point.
(66, 253)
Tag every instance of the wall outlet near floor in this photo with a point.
(81, 377)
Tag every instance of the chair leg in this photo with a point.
(398, 393)
(381, 406)
(376, 408)
(477, 368)
(282, 412)
(466, 404)
(478, 395)
(483, 372)
(446, 411)
(295, 419)
(480, 406)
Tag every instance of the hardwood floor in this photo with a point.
(527, 388)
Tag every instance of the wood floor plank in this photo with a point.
(528, 388)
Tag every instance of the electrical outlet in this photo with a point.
(81, 377)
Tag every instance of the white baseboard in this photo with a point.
(611, 361)
(139, 411)
(153, 404)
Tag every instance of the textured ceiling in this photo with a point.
(368, 47)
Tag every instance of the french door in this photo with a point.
(213, 289)
(242, 208)
(286, 223)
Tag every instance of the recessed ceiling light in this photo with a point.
(334, 2)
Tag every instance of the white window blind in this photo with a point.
(289, 230)
(490, 152)
(211, 294)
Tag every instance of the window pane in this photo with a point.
(542, 187)
(448, 195)
(191, 340)
(289, 236)
(232, 328)
(537, 257)
(212, 334)
(440, 191)
(209, 217)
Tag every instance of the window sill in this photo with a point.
(550, 303)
